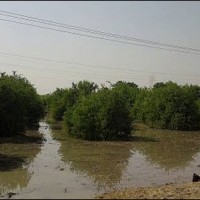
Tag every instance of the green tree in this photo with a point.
(62, 100)
(57, 104)
(158, 85)
(20, 105)
(170, 107)
(128, 91)
(139, 108)
(101, 116)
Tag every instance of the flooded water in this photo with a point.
(62, 167)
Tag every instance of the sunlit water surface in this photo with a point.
(68, 168)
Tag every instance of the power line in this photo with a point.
(34, 58)
(49, 22)
(63, 71)
(96, 66)
(96, 37)
(133, 79)
(112, 78)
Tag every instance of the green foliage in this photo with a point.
(169, 107)
(140, 106)
(130, 84)
(45, 101)
(20, 105)
(128, 91)
(56, 104)
(158, 85)
(101, 116)
(84, 88)
(62, 100)
(107, 113)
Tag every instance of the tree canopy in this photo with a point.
(169, 106)
(94, 113)
(20, 105)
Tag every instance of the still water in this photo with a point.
(68, 168)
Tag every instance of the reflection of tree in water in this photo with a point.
(15, 154)
(103, 162)
(10, 162)
(173, 149)
(11, 180)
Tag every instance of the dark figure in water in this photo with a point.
(196, 178)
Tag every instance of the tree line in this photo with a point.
(93, 112)
(107, 113)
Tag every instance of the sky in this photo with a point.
(169, 22)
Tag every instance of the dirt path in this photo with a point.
(183, 191)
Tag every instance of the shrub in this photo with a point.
(169, 107)
(20, 105)
(62, 100)
(101, 116)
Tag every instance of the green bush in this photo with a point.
(128, 91)
(140, 106)
(104, 114)
(20, 106)
(62, 100)
(101, 116)
(169, 106)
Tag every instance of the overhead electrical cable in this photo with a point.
(63, 71)
(102, 67)
(96, 66)
(49, 22)
(97, 37)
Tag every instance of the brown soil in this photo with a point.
(173, 191)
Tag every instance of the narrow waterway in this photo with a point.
(51, 177)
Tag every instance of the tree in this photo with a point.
(170, 107)
(62, 100)
(20, 105)
(56, 104)
(158, 85)
(140, 106)
(131, 84)
(100, 116)
(128, 91)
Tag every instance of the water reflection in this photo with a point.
(153, 157)
(103, 162)
(15, 155)
(174, 151)
(10, 162)
(12, 180)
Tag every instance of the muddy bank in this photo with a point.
(173, 191)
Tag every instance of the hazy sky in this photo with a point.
(175, 23)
